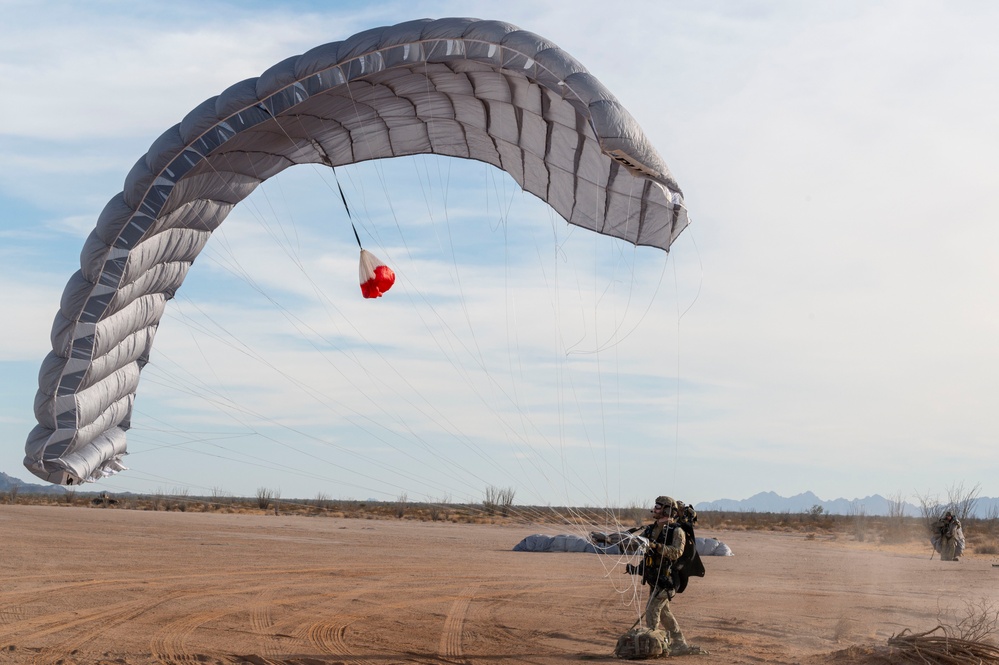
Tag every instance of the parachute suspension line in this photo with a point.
(312, 392)
(612, 339)
(676, 410)
(243, 456)
(346, 207)
(700, 281)
(514, 364)
(679, 319)
(325, 158)
(364, 137)
(445, 195)
(600, 383)
(426, 181)
(445, 179)
(559, 363)
(480, 361)
(244, 275)
(450, 357)
(454, 259)
(450, 243)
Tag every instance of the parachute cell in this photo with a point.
(458, 87)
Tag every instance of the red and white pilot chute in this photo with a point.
(376, 277)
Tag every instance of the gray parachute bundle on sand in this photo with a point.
(603, 543)
(641, 643)
(712, 547)
(540, 542)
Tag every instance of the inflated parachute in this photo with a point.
(482, 90)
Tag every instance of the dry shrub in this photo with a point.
(498, 500)
(438, 509)
(935, 646)
(264, 497)
(987, 547)
(968, 641)
(633, 515)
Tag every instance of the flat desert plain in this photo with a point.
(127, 587)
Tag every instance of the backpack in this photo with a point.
(689, 563)
(640, 643)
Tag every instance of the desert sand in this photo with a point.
(127, 587)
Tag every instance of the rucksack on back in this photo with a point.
(689, 564)
(640, 643)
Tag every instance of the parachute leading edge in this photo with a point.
(458, 87)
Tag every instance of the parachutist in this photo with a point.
(672, 548)
(948, 538)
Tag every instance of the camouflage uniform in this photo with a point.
(948, 538)
(660, 556)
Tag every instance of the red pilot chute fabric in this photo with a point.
(376, 277)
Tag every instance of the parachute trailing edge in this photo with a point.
(459, 87)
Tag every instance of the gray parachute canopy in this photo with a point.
(460, 87)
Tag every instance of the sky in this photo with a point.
(826, 323)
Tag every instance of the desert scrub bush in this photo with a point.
(986, 547)
(438, 510)
(264, 497)
(633, 514)
(498, 499)
(176, 500)
(322, 502)
(220, 499)
(859, 523)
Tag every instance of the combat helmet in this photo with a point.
(666, 502)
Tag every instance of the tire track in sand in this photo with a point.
(450, 645)
(94, 624)
(329, 635)
(262, 623)
(168, 645)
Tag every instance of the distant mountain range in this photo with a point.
(771, 502)
(7, 483)
(764, 502)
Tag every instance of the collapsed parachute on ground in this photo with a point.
(458, 87)
(601, 543)
(539, 542)
(712, 547)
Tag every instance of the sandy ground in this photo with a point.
(109, 586)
